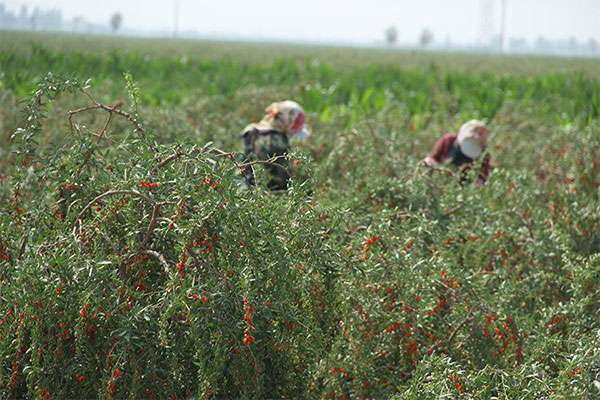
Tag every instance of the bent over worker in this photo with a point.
(268, 142)
(462, 150)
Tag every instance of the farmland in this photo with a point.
(134, 264)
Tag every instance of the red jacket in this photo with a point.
(445, 149)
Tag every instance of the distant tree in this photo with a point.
(517, 44)
(35, 15)
(426, 38)
(572, 44)
(593, 45)
(116, 20)
(448, 41)
(77, 23)
(391, 35)
(542, 44)
(23, 13)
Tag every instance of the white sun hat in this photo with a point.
(471, 138)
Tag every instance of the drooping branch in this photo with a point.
(133, 193)
(115, 109)
(160, 258)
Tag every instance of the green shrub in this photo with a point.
(134, 263)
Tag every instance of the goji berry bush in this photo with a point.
(134, 263)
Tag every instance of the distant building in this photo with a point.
(37, 20)
(518, 45)
(7, 19)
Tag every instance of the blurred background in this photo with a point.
(553, 27)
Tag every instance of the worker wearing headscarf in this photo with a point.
(268, 142)
(463, 149)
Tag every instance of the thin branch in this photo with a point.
(41, 251)
(270, 161)
(222, 153)
(451, 211)
(116, 109)
(458, 328)
(134, 193)
(111, 109)
(100, 135)
(166, 161)
(167, 220)
(22, 246)
(138, 127)
(230, 155)
(218, 153)
(151, 225)
(178, 154)
(77, 111)
(438, 343)
(160, 258)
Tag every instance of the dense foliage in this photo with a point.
(134, 263)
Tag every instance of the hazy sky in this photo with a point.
(342, 20)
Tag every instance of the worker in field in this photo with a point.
(267, 142)
(462, 150)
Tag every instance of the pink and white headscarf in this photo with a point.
(286, 117)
